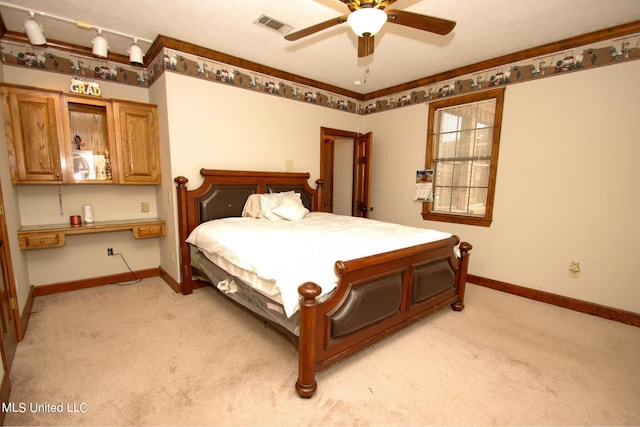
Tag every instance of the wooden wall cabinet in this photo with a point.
(73, 139)
(137, 141)
(34, 135)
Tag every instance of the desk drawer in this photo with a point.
(44, 240)
(144, 231)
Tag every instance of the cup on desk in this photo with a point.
(75, 220)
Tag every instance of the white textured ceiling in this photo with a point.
(484, 30)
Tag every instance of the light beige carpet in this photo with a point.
(143, 355)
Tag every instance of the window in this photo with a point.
(463, 137)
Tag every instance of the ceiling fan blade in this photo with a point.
(365, 46)
(315, 28)
(420, 22)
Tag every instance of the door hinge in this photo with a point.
(1, 209)
(13, 303)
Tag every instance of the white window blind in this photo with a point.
(463, 135)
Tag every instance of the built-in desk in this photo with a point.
(54, 235)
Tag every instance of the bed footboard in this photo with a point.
(376, 296)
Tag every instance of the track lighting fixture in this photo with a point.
(34, 31)
(100, 45)
(135, 54)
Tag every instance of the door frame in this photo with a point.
(326, 163)
(11, 322)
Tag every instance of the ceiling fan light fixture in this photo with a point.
(135, 54)
(367, 21)
(34, 31)
(100, 45)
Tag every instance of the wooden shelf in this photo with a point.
(54, 235)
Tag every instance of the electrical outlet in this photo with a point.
(574, 269)
(109, 251)
(144, 207)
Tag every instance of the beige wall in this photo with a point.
(164, 193)
(216, 126)
(343, 176)
(564, 191)
(566, 187)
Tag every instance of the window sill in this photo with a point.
(457, 219)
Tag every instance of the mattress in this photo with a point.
(267, 307)
(277, 256)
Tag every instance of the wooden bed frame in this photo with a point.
(376, 295)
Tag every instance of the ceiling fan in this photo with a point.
(367, 18)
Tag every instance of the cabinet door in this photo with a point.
(138, 146)
(89, 139)
(34, 131)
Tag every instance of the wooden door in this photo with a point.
(138, 146)
(9, 312)
(328, 150)
(362, 175)
(33, 131)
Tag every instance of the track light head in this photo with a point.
(34, 31)
(100, 45)
(135, 54)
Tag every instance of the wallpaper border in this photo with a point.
(170, 60)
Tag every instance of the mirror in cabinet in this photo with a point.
(89, 139)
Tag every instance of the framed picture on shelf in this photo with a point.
(83, 167)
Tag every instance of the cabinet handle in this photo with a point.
(41, 240)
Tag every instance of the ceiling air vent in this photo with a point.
(273, 24)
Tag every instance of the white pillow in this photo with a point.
(291, 208)
(270, 201)
(252, 207)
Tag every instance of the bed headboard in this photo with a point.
(223, 194)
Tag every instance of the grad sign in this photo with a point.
(85, 87)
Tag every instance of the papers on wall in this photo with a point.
(424, 185)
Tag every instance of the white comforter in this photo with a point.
(290, 253)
